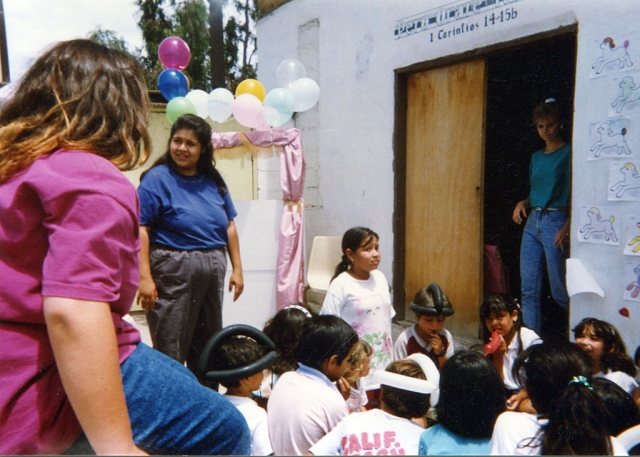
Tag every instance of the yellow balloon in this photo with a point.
(252, 87)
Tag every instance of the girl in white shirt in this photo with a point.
(501, 316)
(359, 294)
(571, 418)
(609, 359)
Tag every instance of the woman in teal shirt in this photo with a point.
(545, 238)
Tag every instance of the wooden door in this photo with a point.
(444, 188)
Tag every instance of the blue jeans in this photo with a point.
(536, 250)
(172, 413)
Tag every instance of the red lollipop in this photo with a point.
(493, 345)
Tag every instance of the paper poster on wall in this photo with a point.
(614, 53)
(624, 181)
(632, 280)
(627, 95)
(613, 138)
(598, 225)
(632, 236)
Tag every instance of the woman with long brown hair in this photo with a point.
(73, 371)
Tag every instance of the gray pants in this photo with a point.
(188, 311)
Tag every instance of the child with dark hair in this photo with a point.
(388, 430)
(471, 399)
(236, 352)
(501, 316)
(284, 330)
(359, 293)
(623, 411)
(571, 418)
(602, 342)
(306, 404)
(428, 336)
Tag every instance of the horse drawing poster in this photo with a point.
(614, 53)
(598, 225)
(632, 236)
(613, 138)
(624, 180)
(632, 281)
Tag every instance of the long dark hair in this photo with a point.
(471, 395)
(614, 357)
(77, 95)
(206, 163)
(284, 330)
(623, 411)
(353, 239)
(500, 303)
(556, 377)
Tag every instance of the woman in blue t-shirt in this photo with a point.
(187, 227)
(545, 239)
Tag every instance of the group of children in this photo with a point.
(339, 386)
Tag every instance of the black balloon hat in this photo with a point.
(439, 306)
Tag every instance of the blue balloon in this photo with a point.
(173, 83)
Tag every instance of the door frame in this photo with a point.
(400, 143)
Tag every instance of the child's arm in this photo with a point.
(344, 387)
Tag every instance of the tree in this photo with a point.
(110, 39)
(187, 19)
(239, 40)
(155, 26)
(191, 24)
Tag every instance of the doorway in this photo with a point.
(517, 80)
(513, 78)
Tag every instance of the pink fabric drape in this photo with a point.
(290, 263)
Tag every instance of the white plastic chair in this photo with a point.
(326, 253)
(630, 437)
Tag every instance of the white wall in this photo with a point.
(352, 52)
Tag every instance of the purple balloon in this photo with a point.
(172, 84)
(173, 52)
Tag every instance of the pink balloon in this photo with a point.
(247, 110)
(262, 124)
(173, 52)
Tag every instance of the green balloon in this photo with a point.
(178, 106)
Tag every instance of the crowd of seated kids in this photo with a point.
(514, 395)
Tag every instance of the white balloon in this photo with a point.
(200, 100)
(306, 92)
(219, 104)
(288, 71)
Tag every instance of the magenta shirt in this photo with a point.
(68, 228)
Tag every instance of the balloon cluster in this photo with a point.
(251, 106)
(174, 54)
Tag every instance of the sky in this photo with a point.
(33, 25)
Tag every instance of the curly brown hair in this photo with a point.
(77, 95)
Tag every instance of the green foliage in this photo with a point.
(240, 44)
(155, 26)
(188, 19)
(110, 39)
(191, 24)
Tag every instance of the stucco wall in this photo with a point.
(350, 138)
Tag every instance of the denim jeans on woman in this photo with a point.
(171, 413)
(537, 254)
